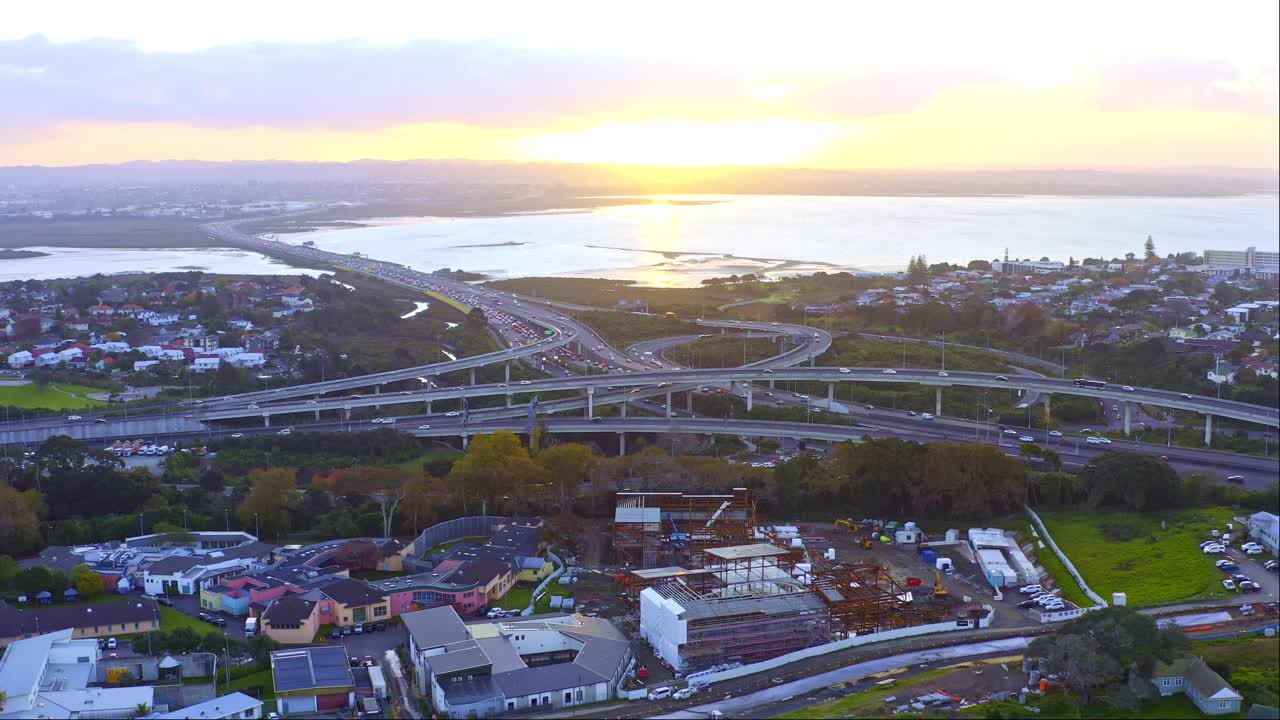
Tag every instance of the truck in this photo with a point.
(251, 627)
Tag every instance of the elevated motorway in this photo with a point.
(773, 372)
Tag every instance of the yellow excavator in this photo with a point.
(939, 588)
(849, 525)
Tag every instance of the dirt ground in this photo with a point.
(968, 681)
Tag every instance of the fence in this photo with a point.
(456, 529)
(1065, 560)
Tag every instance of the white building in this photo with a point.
(1264, 527)
(1026, 267)
(21, 359)
(48, 676)
(206, 364)
(1002, 561)
(1247, 258)
(249, 360)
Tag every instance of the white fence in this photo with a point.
(1064, 615)
(1065, 560)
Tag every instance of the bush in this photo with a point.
(1121, 529)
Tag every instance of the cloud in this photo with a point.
(349, 85)
(1175, 84)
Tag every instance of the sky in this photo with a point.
(1130, 84)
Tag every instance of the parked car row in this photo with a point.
(358, 629)
(1037, 596)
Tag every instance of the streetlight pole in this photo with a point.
(140, 530)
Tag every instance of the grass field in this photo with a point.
(261, 679)
(171, 619)
(1070, 588)
(861, 703)
(1154, 557)
(518, 599)
(55, 396)
(1056, 705)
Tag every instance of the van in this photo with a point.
(661, 693)
(251, 627)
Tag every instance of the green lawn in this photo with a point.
(518, 599)
(1155, 565)
(262, 679)
(1070, 588)
(1056, 705)
(171, 619)
(374, 574)
(445, 546)
(55, 396)
(861, 703)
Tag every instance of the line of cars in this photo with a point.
(1218, 543)
(1038, 597)
(358, 629)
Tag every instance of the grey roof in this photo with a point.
(600, 655)
(288, 610)
(309, 668)
(472, 690)
(174, 565)
(352, 592)
(462, 656)
(435, 627)
(546, 678)
(744, 552)
(22, 665)
(501, 653)
(48, 618)
(230, 705)
(759, 604)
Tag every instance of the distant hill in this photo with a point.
(614, 179)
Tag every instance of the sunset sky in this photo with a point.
(841, 85)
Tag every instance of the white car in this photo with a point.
(1054, 433)
(1255, 550)
(1029, 589)
(286, 431)
(1104, 440)
(1010, 432)
(943, 373)
(1026, 438)
(424, 427)
(1229, 584)
(1127, 388)
(73, 418)
(312, 402)
(525, 382)
(237, 435)
(661, 693)
(452, 413)
(683, 693)
(843, 371)
(889, 371)
(1214, 549)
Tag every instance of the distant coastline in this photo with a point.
(6, 254)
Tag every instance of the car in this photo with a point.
(925, 416)
(889, 371)
(354, 661)
(596, 418)
(1055, 433)
(1250, 586)
(100, 420)
(845, 371)
(661, 693)
(73, 418)
(526, 382)
(204, 616)
(346, 629)
(1237, 479)
(359, 629)
(424, 427)
(312, 402)
(1271, 565)
(102, 643)
(1248, 545)
(452, 413)
(912, 413)
(869, 407)
(768, 371)
(1214, 550)
(1030, 589)
(167, 602)
(1255, 550)
(286, 431)
(1214, 533)
(380, 625)
(1002, 378)
(1027, 604)
(253, 406)
(1054, 607)
(1229, 567)
(112, 643)
(683, 693)
(336, 634)
(1127, 388)
(1047, 600)
(237, 436)
(1228, 584)
(1185, 396)
(1026, 438)
(1240, 578)
(943, 373)
(1008, 431)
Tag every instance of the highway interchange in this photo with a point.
(544, 335)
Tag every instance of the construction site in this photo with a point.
(714, 589)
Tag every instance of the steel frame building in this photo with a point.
(658, 529)
(864, 598)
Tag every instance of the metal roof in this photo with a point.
(669, 572)
(231, 705)
(435, 627)
(758, 604)
(309, 668)
(744, 552)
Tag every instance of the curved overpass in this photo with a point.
(677, 380)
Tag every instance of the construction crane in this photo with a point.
(677, 538)
(716, 515)
(939, 588)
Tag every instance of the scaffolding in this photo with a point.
(864, 598)
(674, 529)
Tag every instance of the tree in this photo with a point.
(90, 585)
(918, 270)
(1080, 661)
(496, 466)
(19, 522)
(273, 490)
(386, 486)
(1137, 480)
(569, 465)
(981, 265)
(31, 581)
(213, 481)
(9, 569)
(1149, 251)
(260, 647)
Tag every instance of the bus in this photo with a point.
(1081, 382)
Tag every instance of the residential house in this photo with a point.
(312, 680)
(1222, 373)
(187, 575)
(21, 359)
(1264, 527)
(1204, 687)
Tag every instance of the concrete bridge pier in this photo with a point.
(377, 390)
(668, 403)
(317, 416)
(1128, 415)
(346, 413)
(624, 410)
(428, 409)
(465, 440)
(473, 376)
(622, 442)
(1047, 414)
(266, 420)
(750, 394)
(831, 395)
(508, 400)
(1208, 431)
(771, 381)
(937, 402)
(506, 368)
(591, 402)
(688, 402)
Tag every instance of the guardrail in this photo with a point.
(1066, 561)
